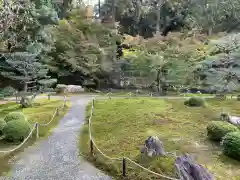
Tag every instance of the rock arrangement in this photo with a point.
(74, 89)
(186, 168)
(153, 146)
(62, 88)
(231, 119)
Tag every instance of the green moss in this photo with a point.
(120, 126)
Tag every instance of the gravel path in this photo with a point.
(57, 158)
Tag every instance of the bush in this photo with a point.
(216, 130)
(238, 97)
(14, 116)
(7, 91)
(2, 125)
(16, 131)
(195, 102)
(61, 88)
(231, 145)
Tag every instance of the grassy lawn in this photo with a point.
(120, 126)
(41, 112)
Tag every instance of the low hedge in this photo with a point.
(216, 130)
(231, 145)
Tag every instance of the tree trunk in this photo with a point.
(210, 31)
(113, 12)
(99, 8)
(158, 11)
(25, 87)
(159, 83)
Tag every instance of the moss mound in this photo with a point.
(216, 130)
(14, 116)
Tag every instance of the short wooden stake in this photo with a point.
(57, 112)
(91, 147)
(124, 167)
(49, 96)
(37, 130)
(64, 105)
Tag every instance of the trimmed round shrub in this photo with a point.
(14, 116)
(231, 145)
(216, 130)
(195, 102)
(2, 125)
(16, 131)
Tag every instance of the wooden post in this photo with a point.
(37, 130)
(124, 167)
(64, 105)
(91, 147)
(93, 102)
(49, 96)
(57, 112)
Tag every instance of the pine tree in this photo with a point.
(25, 67)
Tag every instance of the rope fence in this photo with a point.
(123, 159)
(36, 127)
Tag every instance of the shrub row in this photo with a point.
(228, 134)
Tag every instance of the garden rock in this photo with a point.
(235, 120)
(61, 88)
(74, 89)
(26, 102)
(187, 169)
(153, 146)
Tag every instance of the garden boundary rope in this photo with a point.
(123, 159)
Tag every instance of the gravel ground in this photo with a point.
(57, 158)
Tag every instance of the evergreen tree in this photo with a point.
(25, 67)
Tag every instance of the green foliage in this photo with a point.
(7, 91)
(2, 125)
(16, 131)
(25, 67)
(231, 145)
(83, 47)
(216, 130)
(195, 102)
(14, 116)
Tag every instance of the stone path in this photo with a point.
(57, 158)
